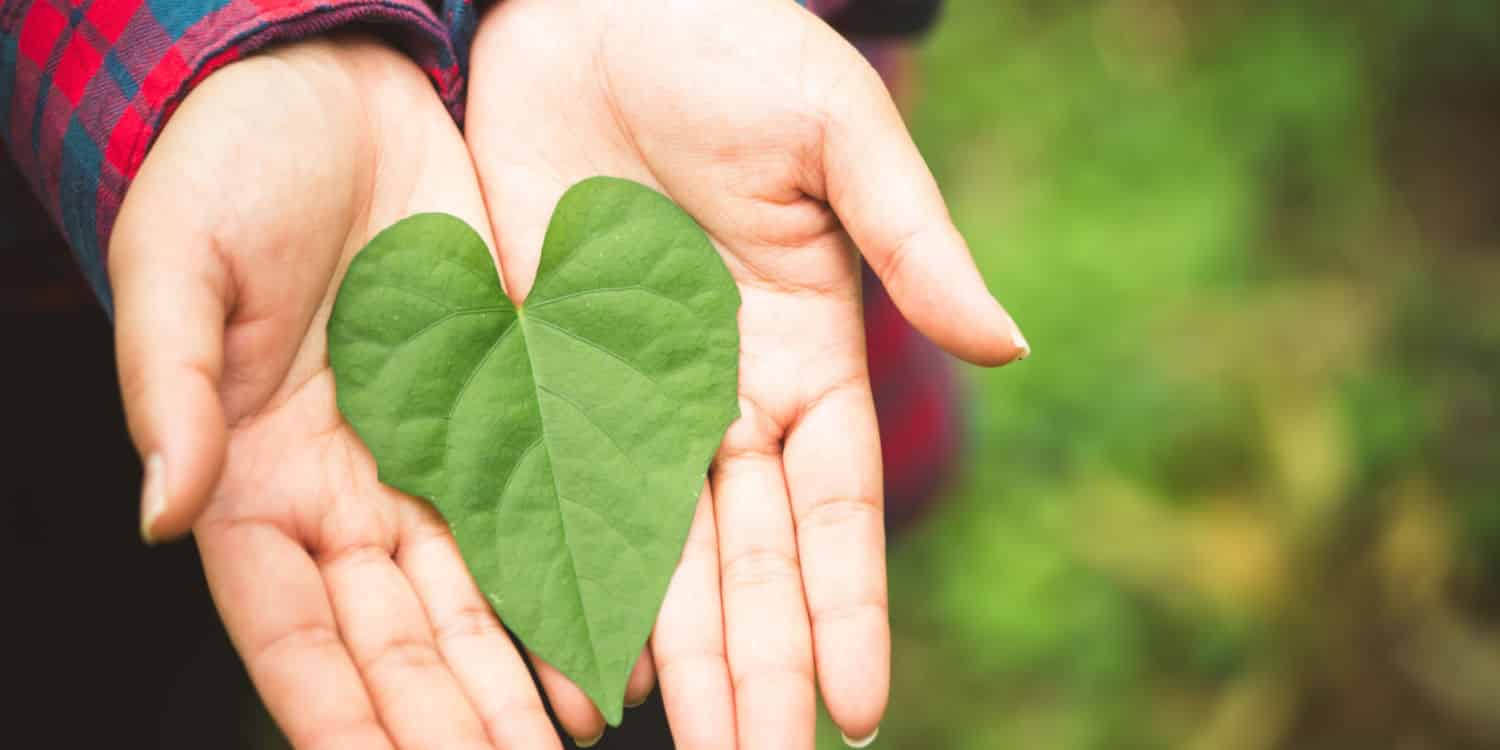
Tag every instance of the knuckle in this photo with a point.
(793, 669)
(893, 262)
(353, 554)
(760, 566)
(835, 612)
(706, 657)
(500, 718)
(400, 656)
(298, 639)
(472, 621)
(839, 512)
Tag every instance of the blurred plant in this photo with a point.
(1245, 494)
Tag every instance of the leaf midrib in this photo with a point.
(562, 519)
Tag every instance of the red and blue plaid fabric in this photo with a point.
(85, 85)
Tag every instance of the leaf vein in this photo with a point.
(463, 390)
(516, 469)
(596, 346)
(608, 290)
(470, 272)
(439, 321)
(562, 523)
(419, 295)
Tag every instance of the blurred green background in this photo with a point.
(1244, 495)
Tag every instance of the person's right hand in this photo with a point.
(777, 136)
(347, 600)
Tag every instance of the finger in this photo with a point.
(688, 644)
(832, 457)
(575, 712)
(766, 631)
(275, 608)
(169, 292)
(642, 680)
(392, 643)
(887, 199)
(469, 636)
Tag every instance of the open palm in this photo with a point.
(348, 601)
(782, 142)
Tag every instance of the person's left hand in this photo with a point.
(778, 137)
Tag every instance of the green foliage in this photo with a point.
(565, 442)
(1247, 481)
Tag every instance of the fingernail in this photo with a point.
(153, 496)
(637, 704)
(861, 742)
(1025, 349)
(590, 742)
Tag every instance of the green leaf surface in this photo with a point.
(565, 442)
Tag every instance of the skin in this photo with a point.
(777, 136)
(348, 600)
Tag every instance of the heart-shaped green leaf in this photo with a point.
(565, 442)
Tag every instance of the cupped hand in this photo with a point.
(778, 137)
(348, 601)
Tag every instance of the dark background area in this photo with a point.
(111, 643)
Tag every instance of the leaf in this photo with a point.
(566, 443)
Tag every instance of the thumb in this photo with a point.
(888, 201)
(170, 305)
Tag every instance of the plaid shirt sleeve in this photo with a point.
(85, 85)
